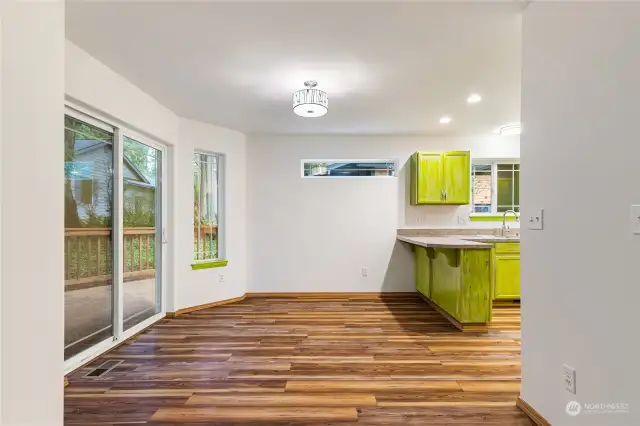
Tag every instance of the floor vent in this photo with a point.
(103, 369)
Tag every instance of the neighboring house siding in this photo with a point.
(100, 160)
(94, 191)
(137, 196)
(130, 174)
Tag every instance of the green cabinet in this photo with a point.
(507, 271)
(458, 281)
(423, 271)
(441, 177)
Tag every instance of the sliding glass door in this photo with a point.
(142, 208)
(88, 238)
(113, 235)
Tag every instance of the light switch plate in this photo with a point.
(569, 374)
(535, 220)
(634, 218)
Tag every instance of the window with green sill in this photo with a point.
(207, 179)
(495, 188)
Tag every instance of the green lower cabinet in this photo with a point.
(423, 271)
(507, 284)
(507, 271)
(446, 287)
(461, 283)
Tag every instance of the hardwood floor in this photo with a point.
(322, 360)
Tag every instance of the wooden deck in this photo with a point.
(324, 359)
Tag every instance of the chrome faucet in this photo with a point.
(504, 220)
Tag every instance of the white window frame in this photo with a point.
(119, 130)
(350, 160)
(221, 242)
(494, 183)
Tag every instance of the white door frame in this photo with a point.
(119, 131)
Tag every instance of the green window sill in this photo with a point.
(491, 218)
(209, 264)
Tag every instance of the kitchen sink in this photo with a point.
(491, 237)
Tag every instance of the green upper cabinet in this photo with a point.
(441, 177)
(427, 178)
(457, 177)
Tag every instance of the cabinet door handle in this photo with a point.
(442, 194)
(445, 195)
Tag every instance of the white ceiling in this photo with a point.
(387, 67)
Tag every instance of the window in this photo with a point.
(495, 187)
(206, 210)
(348, 168)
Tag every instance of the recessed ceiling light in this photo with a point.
(511, 129)
(445, 120)
(474, 98)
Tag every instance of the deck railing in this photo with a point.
(88, 254)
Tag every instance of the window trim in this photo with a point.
(349, 160)
(221, 260)
(494, 215)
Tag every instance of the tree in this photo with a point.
(74, 130)
(71, 218)
(142, 157)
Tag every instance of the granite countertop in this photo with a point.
(458, 241)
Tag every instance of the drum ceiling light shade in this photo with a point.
(310, 102)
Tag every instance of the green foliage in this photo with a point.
(79, 265)
(205, 248)
(142, 157)
(137, 216)
(133, 216)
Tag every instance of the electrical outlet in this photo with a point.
(569, 378)
(462, 219)
(365, 272)
(221, 278)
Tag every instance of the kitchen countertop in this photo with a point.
(459, 241)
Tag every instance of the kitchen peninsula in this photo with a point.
(461, 272)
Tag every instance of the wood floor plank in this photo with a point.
(333, 360)
(490, 386)
(368, 385)
(255, 414)
(287, 399)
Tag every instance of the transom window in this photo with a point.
(348, 168)
(495, 186)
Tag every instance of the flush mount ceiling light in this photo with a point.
(474, 98)
(310, 102)
(445, 120)
(511, 129)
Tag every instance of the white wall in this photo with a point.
(580, 274)
(91, 83)
(99, 89)
(32, 212)
(318, 234)
(203, 286)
